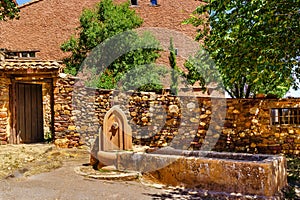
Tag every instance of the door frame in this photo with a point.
(14, 136)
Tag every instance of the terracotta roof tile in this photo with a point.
(45, 24)
(28, 64)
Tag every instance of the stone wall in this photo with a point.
(47, 108)
(64, 127)
(248, 127)
(4, 109)
(78, 112)
(181, 122)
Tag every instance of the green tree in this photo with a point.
(144, 78)
(255, 44)
(102, 25)
(8, 10)
(175, 70)
(201, 68)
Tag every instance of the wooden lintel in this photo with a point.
(39, 75)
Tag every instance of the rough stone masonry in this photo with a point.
(156, 119)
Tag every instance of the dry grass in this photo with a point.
(27, 160)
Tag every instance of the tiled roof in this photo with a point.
(46, 24)
(28, 64)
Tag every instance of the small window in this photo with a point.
(153, 2)
(12, 54)
(134, 2)
(285, 116)
(32, 54)
(29, 54)
(24, 54)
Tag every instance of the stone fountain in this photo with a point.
(258, 176)
(116, 136)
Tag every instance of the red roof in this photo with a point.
(46, 24)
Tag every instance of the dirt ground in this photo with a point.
(27, 160)
(43, 171)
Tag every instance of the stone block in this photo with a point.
(72, 128)
(247, 174)
(62, 143)
(3, 114)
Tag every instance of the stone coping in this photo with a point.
(242, 157)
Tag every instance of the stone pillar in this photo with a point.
(64, 127)
(4, 110)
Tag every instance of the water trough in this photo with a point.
(256, 175)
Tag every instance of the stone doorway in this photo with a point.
(31, 106)
(35, 78)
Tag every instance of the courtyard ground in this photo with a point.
(43, 171)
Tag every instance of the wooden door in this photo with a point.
(29, 113)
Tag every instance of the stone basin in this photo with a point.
(260, 176)
(256, 175)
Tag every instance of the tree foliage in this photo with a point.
(97, 25)
(102, 25)
(255, 43)
(8, 10)
(201, 68)
(143, 78)
(175, 70)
